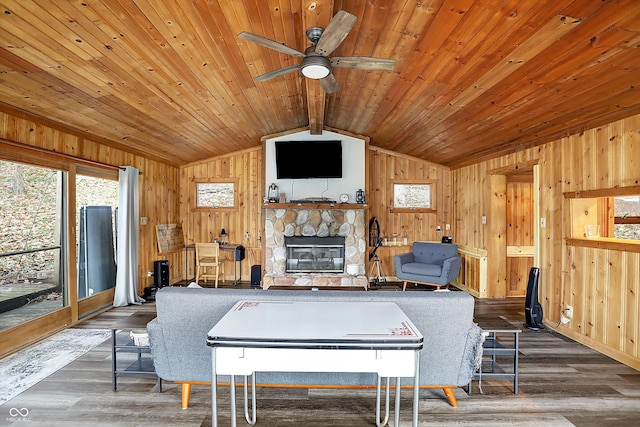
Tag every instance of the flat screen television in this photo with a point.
(308, 159)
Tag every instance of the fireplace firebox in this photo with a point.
(313, 254)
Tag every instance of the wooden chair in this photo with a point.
(208, 256)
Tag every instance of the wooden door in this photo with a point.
(520, 240)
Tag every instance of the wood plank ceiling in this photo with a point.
(474, 78)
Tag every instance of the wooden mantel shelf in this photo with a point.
(345, 206)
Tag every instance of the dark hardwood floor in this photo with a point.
(562, 383)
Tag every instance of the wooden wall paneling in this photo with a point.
(605, 317)
(497, 248)
(629, 156)
(553, 206)
(573, 297)
(244, 167)
(589, 157)
(385, 166)
(386, 255)
(518, 275)
(631, 319)
(600, 277)
(617, 166)
(420, 225)
(480, 209)
(588, 293)
(460, 187)
(604, 171)
(252, 196)
(519, 219)
(614, 290)
(536, 216)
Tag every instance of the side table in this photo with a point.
(142, 365)
(493, 348)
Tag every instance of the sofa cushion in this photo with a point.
(422, 269)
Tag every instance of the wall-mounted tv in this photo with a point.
(308, 159)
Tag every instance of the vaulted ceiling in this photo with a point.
(474, 78)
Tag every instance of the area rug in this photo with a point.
(27, 367)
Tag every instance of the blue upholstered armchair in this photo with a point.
(434, 264)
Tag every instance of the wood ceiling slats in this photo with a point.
(285, 97)
(508, 67)
(473, 78)
(184, 40)
(98, 86)
(570, 82)
(446, 58)
(291, 97)
(375, 21)
(406, 35)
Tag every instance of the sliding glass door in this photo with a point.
(32, 248)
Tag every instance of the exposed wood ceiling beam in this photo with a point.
(316, 13)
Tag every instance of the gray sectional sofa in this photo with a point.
(452, 341)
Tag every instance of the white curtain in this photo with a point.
(127, 259)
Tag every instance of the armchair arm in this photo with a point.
(451, 268)
(401, 259)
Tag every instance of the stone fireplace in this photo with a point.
(323, 228)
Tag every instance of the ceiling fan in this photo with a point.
(315, 62)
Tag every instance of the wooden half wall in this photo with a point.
(601, 281)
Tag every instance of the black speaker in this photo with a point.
(239, 253)
(256, 275)
(161, 273)
(532, 307)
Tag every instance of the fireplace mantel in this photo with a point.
(342, 206)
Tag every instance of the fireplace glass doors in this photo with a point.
(311, 254)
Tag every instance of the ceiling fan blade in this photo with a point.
(363, 63)
(335, 32)
(329, 84)
(271, 44)
(277, 73)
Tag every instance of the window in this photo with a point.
(96, 216)
(215, 194)
(412, 196)
(626, 213)
(594, 214)
(31, 243)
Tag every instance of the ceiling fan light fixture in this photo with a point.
(315, 67)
